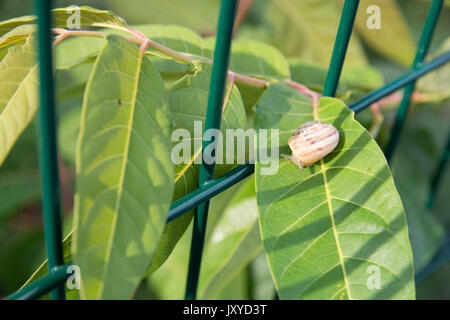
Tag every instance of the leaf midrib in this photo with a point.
(330, 210)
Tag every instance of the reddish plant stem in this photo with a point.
(243, 9)
(140, 38)
(231, 79)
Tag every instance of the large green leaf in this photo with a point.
(257, 58)
(234, 242)
(16, 30)
(124, 172)
(393, 40)
(327, 228)
(8, 25)
(15, 37)
(179, 39)
(18, 94)
(74, 51)
(88, 17)
(200, 16)
(188, 99)
(354, 81)
(307, 29)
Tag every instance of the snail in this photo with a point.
(312, 141)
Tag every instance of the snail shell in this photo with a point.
(312, 141)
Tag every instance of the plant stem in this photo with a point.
(139, 38)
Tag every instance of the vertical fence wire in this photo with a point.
(438, 174)
(422, 49)
(51, 203)
(213, 117)
(340, 47)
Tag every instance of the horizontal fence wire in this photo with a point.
(209, 190)
(58, 273)
(399, 83)
(34, 290)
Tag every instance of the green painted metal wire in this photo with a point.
(43, 285)
(209, 187)
(438, 174)
(440, 259)
(393, 86)
(204, 193)
(213, 117)
(209, 190)
(340, 47)
(51, 203)
(422, 49)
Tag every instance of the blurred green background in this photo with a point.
(300, 29)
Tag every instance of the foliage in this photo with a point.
(307, 235)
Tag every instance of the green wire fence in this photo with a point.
(208, 186)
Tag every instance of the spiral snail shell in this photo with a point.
(312, 141)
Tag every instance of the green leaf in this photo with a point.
(393, 40)
(234, 242)
(257, 58)
(307, 29)
(263, 287)
(74, 51)
(326, 230)
(179, 39)
(88, 17)
(15, 37)
(22, 250)
(42, 270)
(15, 31)
(413, 166)
(18, 94)
(356, 80)
(200, 16)
(435, 86)
(124, 172)
(8, 25)
(169, 281)
(188, 99)
(237, 289)
(17, 189)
